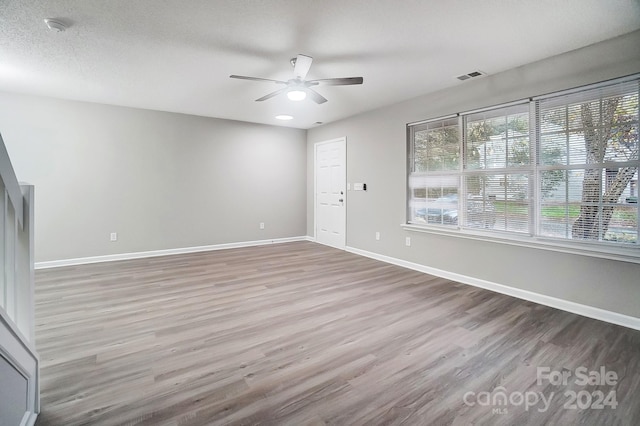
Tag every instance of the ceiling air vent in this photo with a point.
(473, 74)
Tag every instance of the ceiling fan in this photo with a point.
(298, 88)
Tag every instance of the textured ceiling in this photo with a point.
(176, 55)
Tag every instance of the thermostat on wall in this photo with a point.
(359, 186)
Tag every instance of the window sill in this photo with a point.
(630, 254)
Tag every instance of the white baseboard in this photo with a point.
(166, 252)
(565, 305)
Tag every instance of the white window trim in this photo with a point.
(603, 250)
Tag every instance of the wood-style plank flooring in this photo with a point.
(302, 334)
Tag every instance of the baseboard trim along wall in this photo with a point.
(565, 305)
(165, 252)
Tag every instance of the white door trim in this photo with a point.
(315, 187)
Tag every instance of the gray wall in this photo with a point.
(376, 154)
(161, 180)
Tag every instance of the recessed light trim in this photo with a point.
(284, 117)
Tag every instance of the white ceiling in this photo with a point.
(176, 55)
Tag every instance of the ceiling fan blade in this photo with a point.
(303, 63)
(338, 81)
(244, 77)
(272, 94)
(316, 97)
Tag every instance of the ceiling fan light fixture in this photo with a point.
(299, 88)
(296, 94)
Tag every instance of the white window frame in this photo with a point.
(411, 163)
(607, 250)
(529, 169)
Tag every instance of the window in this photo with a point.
(498, 172)
(589, 164)
(563, 167)
(435, 168)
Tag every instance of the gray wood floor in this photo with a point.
(302, 334)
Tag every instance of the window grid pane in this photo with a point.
(498, 201)
(497, 139)
(436, 147)
(434, 199)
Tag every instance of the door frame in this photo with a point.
(342, 139)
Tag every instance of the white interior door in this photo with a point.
(330, 193)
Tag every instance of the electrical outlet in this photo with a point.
(114, 236)
(377, 236)
(261, 225)
(407, 241)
